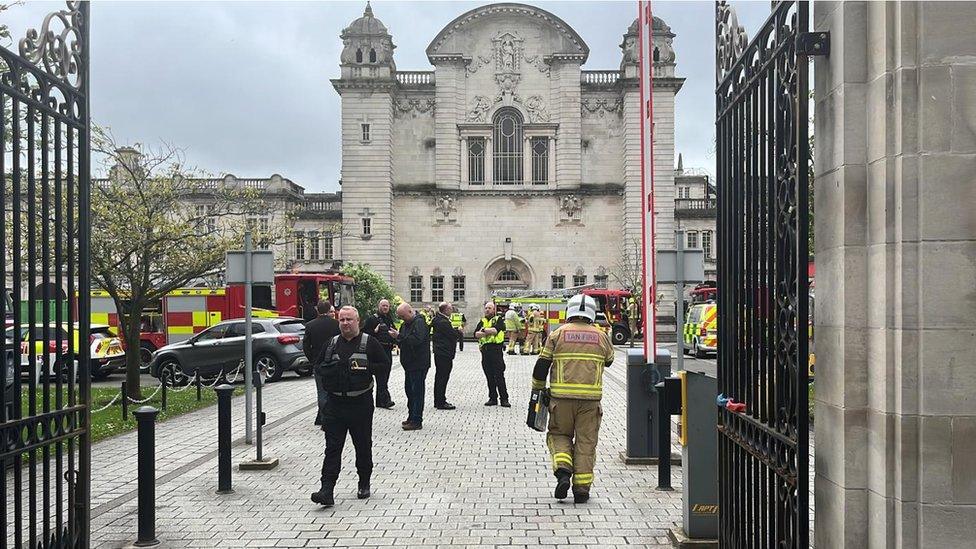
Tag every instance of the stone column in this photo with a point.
(450, 110)
(896, 251)
(567, 98)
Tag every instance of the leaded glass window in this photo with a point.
(507, 147)
(476, 160)
(540, 160)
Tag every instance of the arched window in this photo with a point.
(372, 55)
(359, 56)
(508, 275)
(507, 146)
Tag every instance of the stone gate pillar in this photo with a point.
(895, 127)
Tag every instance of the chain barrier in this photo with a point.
(148, 398)
(107, 406)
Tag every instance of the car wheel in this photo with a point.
(698, 353)
(620, 336)
(270, 366)
(145, 354)
(172, 370)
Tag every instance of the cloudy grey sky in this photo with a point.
(243, 87)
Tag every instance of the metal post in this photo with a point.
(248, 376)
(679, 286)
(223, 438)
(257, 389)
(664, 445)
(146, 419)
(163, 397)
(199, 385)
(125, 403)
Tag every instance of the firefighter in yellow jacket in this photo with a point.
(573, 359)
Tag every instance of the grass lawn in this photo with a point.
(109, 422)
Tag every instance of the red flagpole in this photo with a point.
(645, 40)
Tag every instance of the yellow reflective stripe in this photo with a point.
(593, 391)
(579, 356)
(580, 479)
(546, 353)
(562, 457)
(538, 384)
(182, 330)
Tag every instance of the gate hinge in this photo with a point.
(813, 43)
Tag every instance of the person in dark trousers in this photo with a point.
(319, 331)
(491, 340)
(445, 345)
(413, 338)
(345, 372)
(378, 326)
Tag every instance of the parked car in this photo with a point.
(220, 349)
(106, 352)
(700, 331)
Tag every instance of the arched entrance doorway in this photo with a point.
(508, 274)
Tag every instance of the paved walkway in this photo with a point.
(475, 477)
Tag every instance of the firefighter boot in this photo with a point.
(324, 496)
(581, 494)
(562, 483)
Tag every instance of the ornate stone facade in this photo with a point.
(506, 166)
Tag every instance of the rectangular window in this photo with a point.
(259, 227)
(558, 282)
(313, 246)
(327, 247)
(367, 226)
(437, 289)
(684, 192)
(692, 240)
(579, 280)
(707, 243)
(600, 280)
(365, 128)
(458, 288)
(476, 160)
(205, 217)
(299, 245)
(416, 289)
(540, 160)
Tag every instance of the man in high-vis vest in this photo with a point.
(573, 359)
(514, 324)
(491, 339)
(458, 321)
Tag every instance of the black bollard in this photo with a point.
(196, 380)
(146, 419)
(664, 436)
(125, 403)
(256, 377)
(223, 438)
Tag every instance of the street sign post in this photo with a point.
(680, 266)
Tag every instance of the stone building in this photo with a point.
(507, 165)
(695, 213)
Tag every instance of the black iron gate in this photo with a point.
(44, 245)
(762, 155)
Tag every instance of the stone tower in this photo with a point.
(366, 87)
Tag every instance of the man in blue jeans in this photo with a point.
(413, 338)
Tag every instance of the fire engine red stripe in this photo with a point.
(179, 319)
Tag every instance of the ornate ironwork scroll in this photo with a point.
(45, 456)
(762, 153)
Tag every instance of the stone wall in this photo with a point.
(896, 261)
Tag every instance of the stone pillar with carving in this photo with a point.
(566, 100)
(449, 96)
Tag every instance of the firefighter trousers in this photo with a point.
(533, 342)
(574, 426)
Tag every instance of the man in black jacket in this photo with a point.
(445, 345)
(413, 339)
(347, 375)
(319, 331)
(378, 326)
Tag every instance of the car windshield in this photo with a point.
(291, 327)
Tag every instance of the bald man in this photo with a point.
(413, 338)
(378, 326)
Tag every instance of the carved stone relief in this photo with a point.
(603, 106)
(570, 210)
(415, 105)
(537, 62)
(508, 50)
(445, 209)
(536, 109)
(479, 111)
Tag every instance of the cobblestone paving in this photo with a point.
(475, 477)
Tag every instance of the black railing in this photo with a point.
(45, 458)
(762, 154)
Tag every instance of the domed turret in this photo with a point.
(662, 51)
(367, 48)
